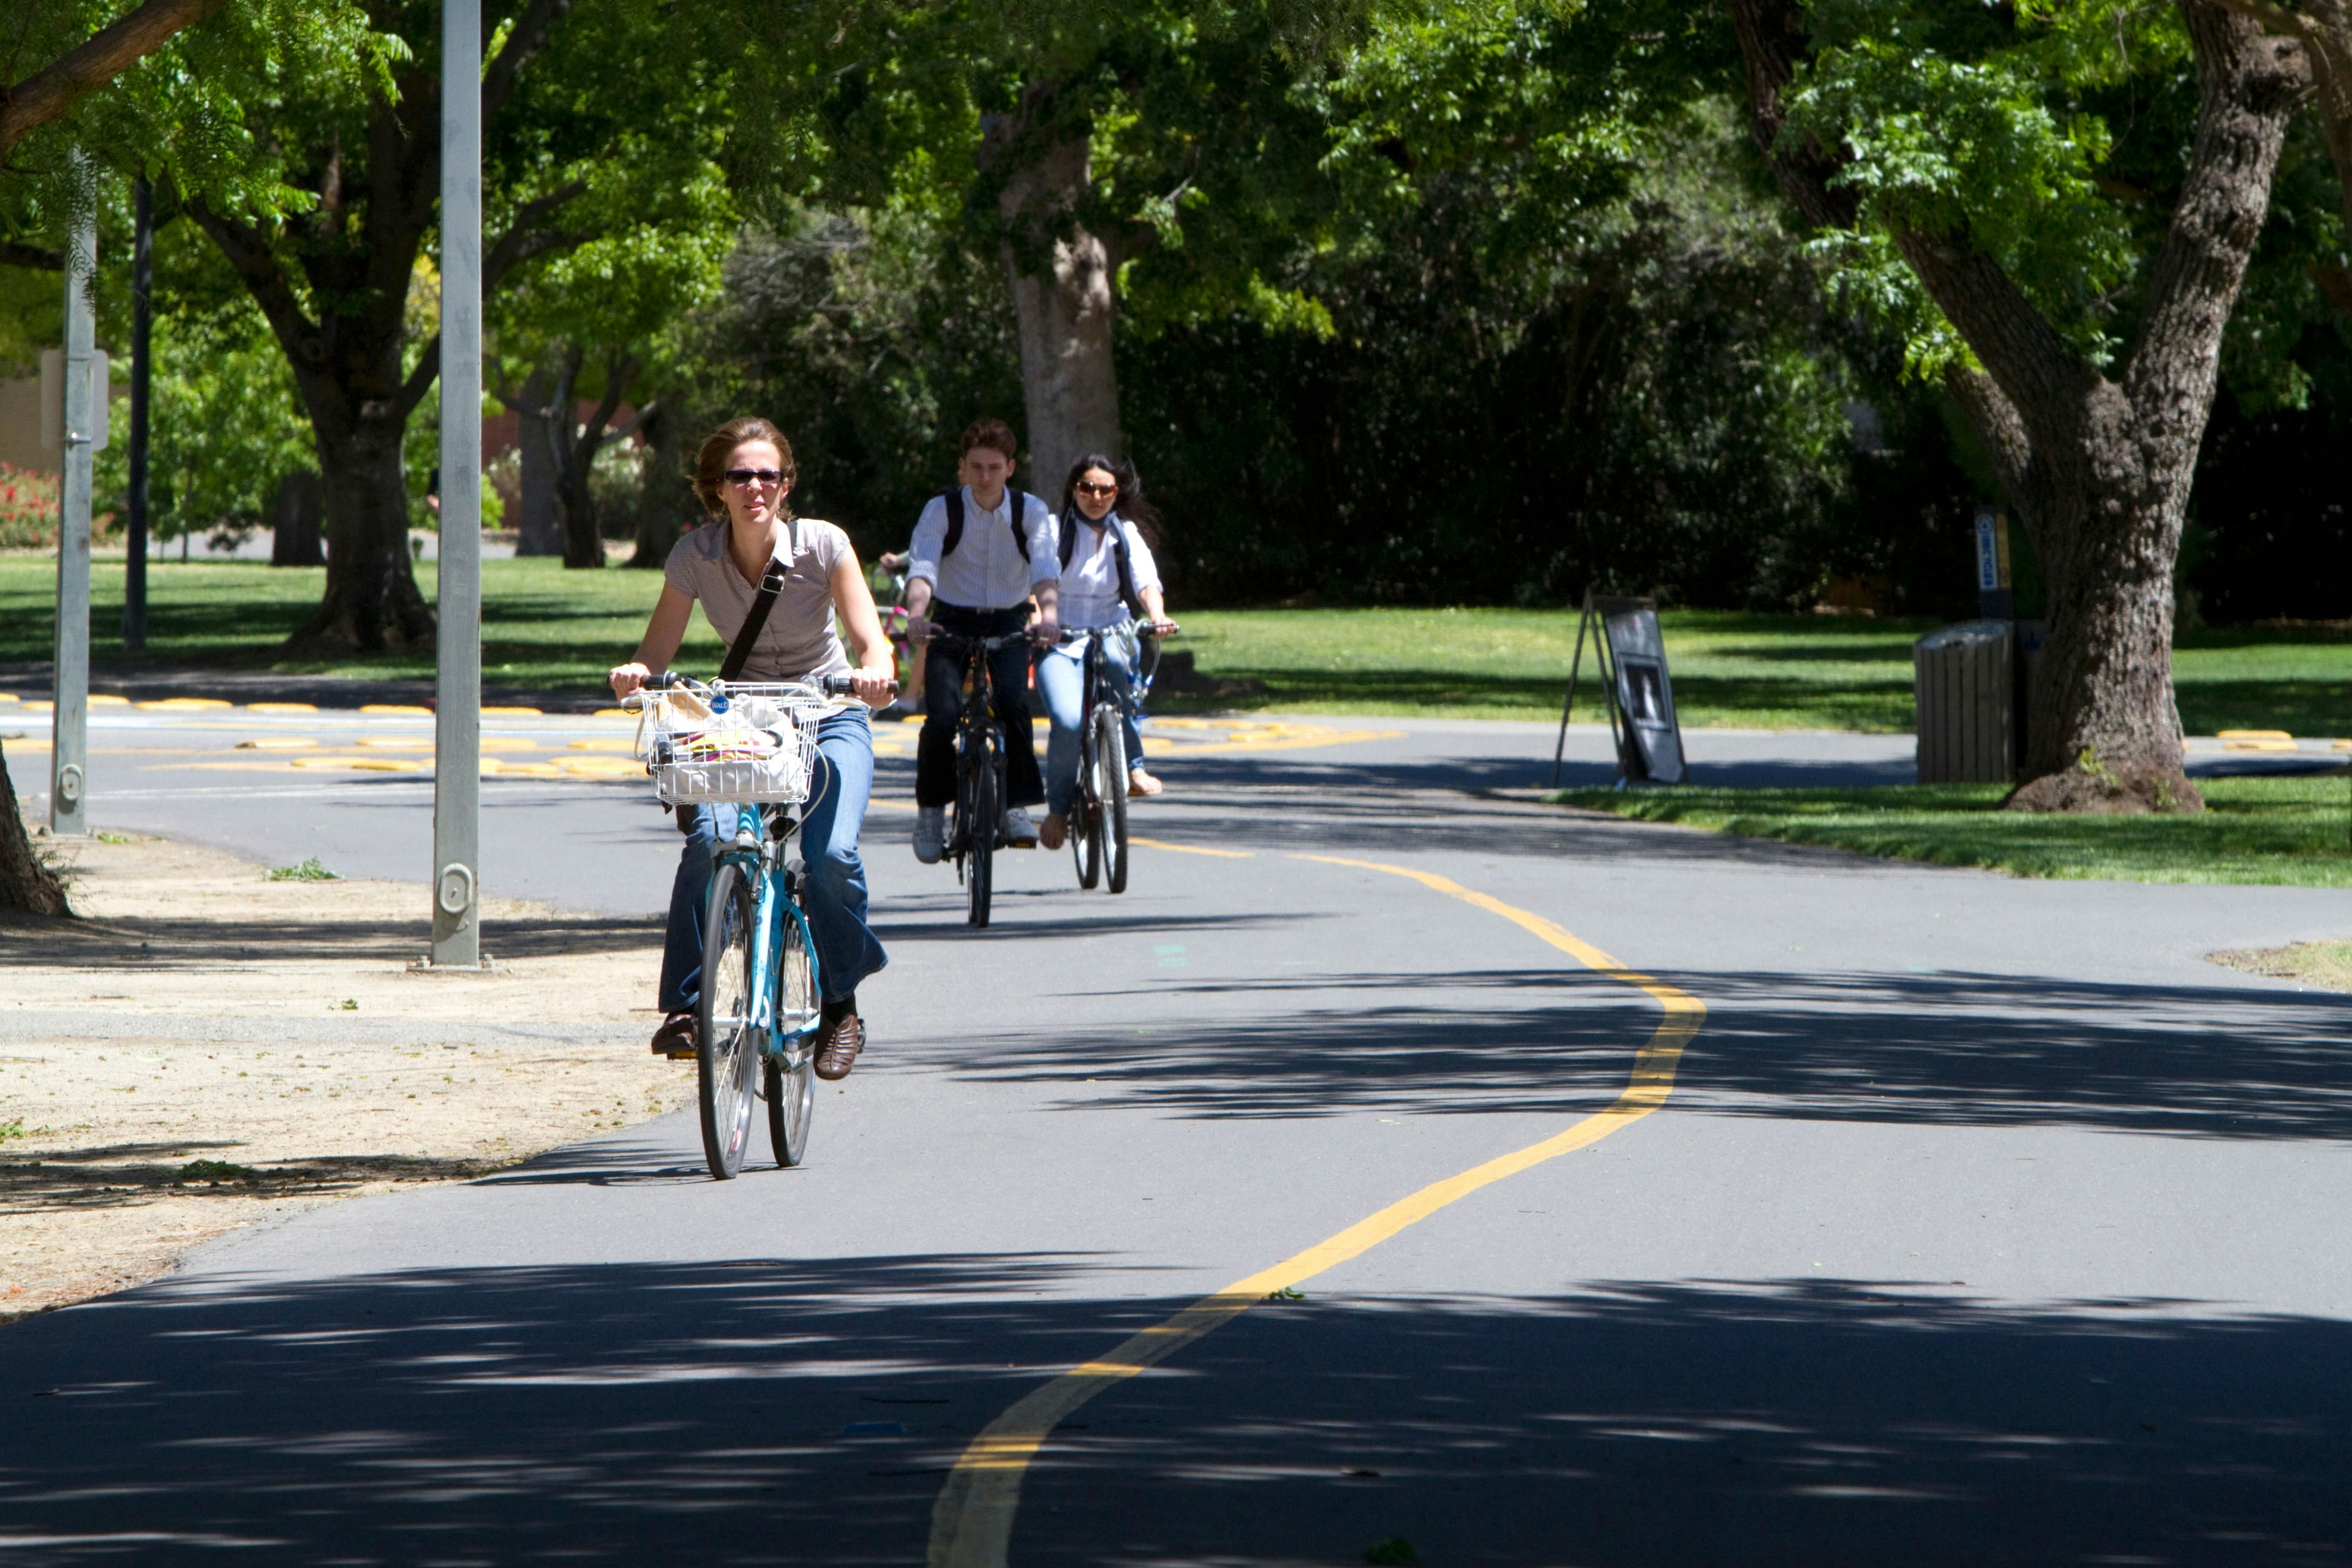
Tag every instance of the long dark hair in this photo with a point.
(1130, 502)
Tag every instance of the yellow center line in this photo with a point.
(971, 1522)
(1191, 850)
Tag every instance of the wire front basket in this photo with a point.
(732, 744)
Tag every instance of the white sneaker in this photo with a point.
(1019, 831)
(930, 834)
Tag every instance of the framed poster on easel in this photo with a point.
(1631, 656)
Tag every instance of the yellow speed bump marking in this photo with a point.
(511, 713)
(1230, 735)
(281, 707)
(184, 705)
(396, 708)
(971, 1522)
(101, 699)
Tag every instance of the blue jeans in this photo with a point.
(1061, 683)
(835, 893)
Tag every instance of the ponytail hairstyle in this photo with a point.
(1129, 504)
(710, 465)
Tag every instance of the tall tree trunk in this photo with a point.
(371, 599)
(300, 502)
(25, 884)
(2097, 468)
(1062, 276)
(535, 438)
(667, 504)
(2323, 28)
(575, 503)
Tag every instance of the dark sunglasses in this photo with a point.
(754, 477)
(1087, 490)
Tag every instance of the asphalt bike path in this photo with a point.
(1978, 1221)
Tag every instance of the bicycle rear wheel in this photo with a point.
(791, 1077)
(727, 1055)
(1110, 778)
(980, 867)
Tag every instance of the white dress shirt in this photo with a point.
(1090, 589)
(986, 572)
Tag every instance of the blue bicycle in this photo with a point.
(752, 746)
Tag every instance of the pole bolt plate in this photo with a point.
(456, 891)
(69, 784)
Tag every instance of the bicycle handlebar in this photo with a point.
(670, 680)
(1142, 629)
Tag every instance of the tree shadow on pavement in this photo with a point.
(775, 1411)
(1983, 1051)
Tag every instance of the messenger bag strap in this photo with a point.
(738, 652)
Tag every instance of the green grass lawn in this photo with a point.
(547, 628)
(2276, 830)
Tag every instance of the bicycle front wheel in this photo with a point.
(1110, 778)
(1085, 819)
(791, 1077)
(727, 1052)
(979, 870)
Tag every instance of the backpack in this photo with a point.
(1117, 527)
(1018, 515)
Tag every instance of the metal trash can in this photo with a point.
(1964, 680)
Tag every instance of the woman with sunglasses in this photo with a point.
(1108, 577)
(744, 475)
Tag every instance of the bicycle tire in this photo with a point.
(1086, 820)
(791, 1077)
(980, 868)
(726, 1053)
(1113, 774)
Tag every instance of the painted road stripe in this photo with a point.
(971, 1522)
(1192, 849)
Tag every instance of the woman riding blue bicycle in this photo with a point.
(1109, 577)
(744, 475)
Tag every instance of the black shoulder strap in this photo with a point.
(738, 652)
(954, 499)
(1127, 593)
(1069, 542)
(1017, 508)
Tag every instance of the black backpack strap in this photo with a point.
(954, 499)
(1018, 511)
(1127, 593)
(1069, 540)
(738, 652)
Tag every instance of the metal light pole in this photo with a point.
(143, 333)
(457, 723)
(69, 719)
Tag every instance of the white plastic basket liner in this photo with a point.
(762, 747)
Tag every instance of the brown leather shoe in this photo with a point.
(838, 1045)
(675, 1039)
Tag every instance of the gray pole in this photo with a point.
(142, 343)
(457, 727)
(70, 722)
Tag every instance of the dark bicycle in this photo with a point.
(1098, 807)
(976, 830)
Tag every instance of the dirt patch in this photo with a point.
(207, 1047)
(2326, 965)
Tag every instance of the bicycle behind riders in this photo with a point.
(979, 553)
(1108, 579)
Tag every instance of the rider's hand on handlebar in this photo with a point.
(1160, 626)
(627, 678)
(1046, 630)
(876, 686)
(920, 630)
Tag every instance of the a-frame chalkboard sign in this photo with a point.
(1631, 655)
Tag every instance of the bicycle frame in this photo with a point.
(760, 863)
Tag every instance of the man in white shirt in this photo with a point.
(979, 553)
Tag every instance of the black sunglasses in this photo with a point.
(754, 477)
(1084, 488)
